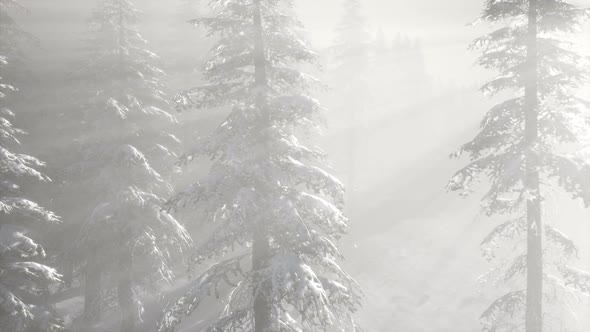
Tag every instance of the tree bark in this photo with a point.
(260, 78)
(534, 300)
(352, 153)
(260, 241)
(125, 292)
(262, 306)
(92, 290)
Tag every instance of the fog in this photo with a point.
(368, 170)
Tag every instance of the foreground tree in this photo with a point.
(24, 278)
(127, 242)
(521, 150)
(276, 214)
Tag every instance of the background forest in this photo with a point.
(122, 200)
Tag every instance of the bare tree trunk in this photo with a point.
(125, 292)
(68, 274)
(534, 302)
(262, 307)
(259, 56)
(352, 154)
(260, 245)
(92, 290)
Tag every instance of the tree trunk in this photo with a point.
(260, 241)
(534, 301)
(125, 292)
(67, 267)
(352, 154)
(262, 306)
(259, 56)
(92, 290)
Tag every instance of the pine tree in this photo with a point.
(24, 278)
(351, 55)
(188, 8)
(125, 168)
(521, 148)
(276, 214)
(353, 40)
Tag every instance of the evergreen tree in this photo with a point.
(125, 167)
(24, 278)
(522, 149)
(351, 55)
(276, 214)
(188, 8)
(409, 71)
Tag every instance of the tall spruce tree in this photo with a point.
(25, 279)
(127, 241)
(352, 56)
(522, 148)
(276, 214)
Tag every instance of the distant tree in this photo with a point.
(409, 71)
(125, 167)
(276, 214)
(522, 149)
(25, 279)
(351, 55)
(189, 8)
(380, 44)
(399, 66)
(353, 40)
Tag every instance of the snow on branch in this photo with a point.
(573, 174)
(501, 9)
(20, 165)
(568, 246)
(208, 282)
(577, 279)
(464, 178)
(502, 232)
(208, 96)
(15, 245)
(27, 208)
(15, 312)
(507, 306)
(518, 266)
(316, 179)
(295, 283)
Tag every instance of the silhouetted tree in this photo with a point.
(520, 148)
(276, 213)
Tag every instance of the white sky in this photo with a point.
(441, 25)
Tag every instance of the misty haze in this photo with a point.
(294, 165)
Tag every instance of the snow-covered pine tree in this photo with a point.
(522, 149)
(126, 165)
(24, 278)
(351, 53)
(276, 214)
